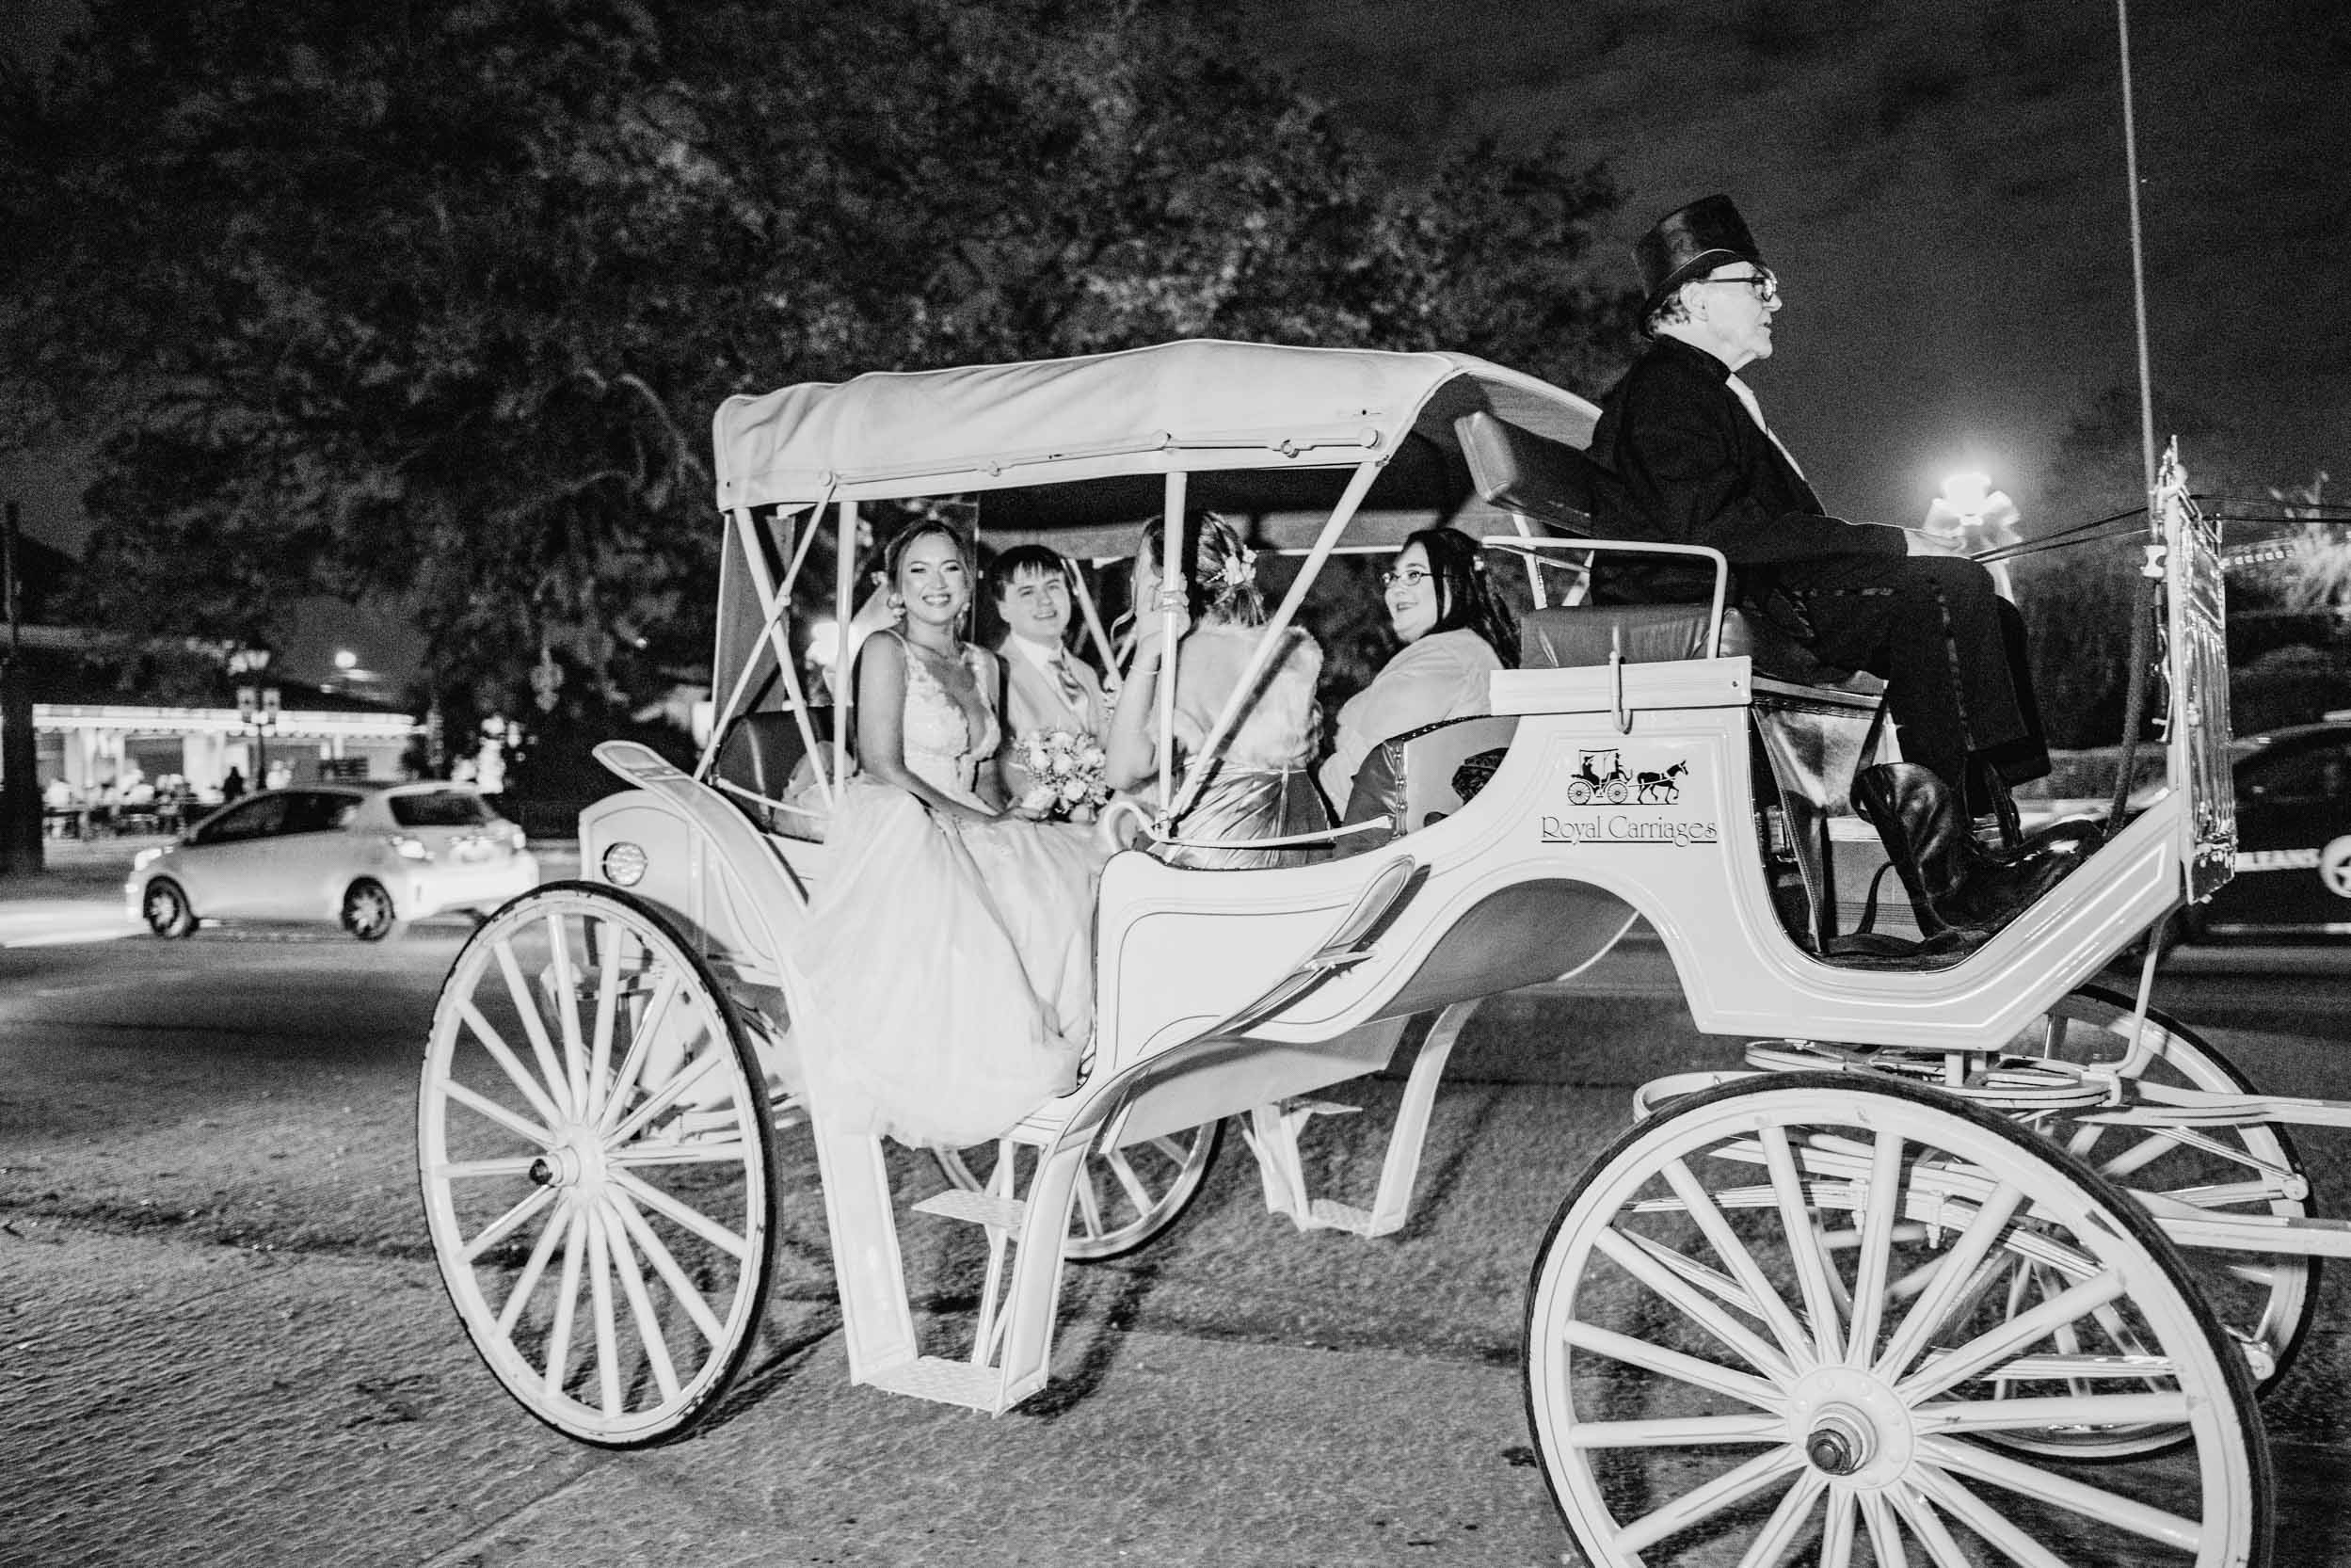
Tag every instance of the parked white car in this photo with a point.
(371, 857)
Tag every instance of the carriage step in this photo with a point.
(944, 1382)
(977, 1209)
(1329, 1214)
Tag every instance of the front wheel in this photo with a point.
(368, 912)
(166, 907)
(598, 1156)
(1781, 1315)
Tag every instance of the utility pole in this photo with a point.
(19, 784)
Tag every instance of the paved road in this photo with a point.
(226, 1342)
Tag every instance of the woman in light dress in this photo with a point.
(950, 951)
(1456, 633)
(1260, 787)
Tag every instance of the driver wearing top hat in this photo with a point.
(1694, 463)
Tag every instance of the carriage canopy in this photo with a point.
(1083, 441)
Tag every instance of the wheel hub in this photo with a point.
(1852, 1425)
(577, 1162)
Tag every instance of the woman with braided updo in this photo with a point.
(1260, 787)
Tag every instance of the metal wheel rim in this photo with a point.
(165, 908)
(618, 1202)
(1944, 1498)
(1123, 1198)
(367, 911)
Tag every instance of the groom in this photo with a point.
(1045, 686)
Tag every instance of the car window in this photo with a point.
(2317, 774)
(256, 819)
(318, 810)
(441, 808)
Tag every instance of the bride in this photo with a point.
(950, 953)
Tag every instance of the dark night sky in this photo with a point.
(1940, 184)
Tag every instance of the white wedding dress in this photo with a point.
(951, 962)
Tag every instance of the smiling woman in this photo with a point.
(1456, 631)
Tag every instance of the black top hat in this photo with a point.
(1692, 241)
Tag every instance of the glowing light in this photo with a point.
(1968, 493)
(346, 659)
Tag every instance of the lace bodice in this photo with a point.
(939, 745)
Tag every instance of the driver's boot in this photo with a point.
(1999, 831)
(1955, 885)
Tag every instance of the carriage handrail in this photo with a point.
(1532, 548)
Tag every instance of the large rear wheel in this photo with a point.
(1775, 1322)
(597, 1150)
(2266, 1302)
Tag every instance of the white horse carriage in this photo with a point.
(1874, 1297)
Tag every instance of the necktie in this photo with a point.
(1746, 395)
(1072, 693)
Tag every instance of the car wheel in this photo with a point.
(166, 907)
(367, 910)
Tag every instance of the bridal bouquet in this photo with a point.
(1064, 771)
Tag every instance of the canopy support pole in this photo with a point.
(1174, 595)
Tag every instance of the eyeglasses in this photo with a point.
(1411, 577)
(1763, 285)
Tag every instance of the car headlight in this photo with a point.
(407, 848)
(145, 859)
(624, 864)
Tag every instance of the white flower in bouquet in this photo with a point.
(1065, 771)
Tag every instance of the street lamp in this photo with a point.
(258, 707)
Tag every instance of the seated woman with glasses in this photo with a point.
(1455, 634)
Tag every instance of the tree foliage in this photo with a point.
(432, 302)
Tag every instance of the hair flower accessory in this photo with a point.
(1238, 569)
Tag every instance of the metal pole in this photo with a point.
(2138, 266)
(20, 753)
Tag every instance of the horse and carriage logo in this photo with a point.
(1603, 776)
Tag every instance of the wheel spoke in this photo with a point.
(567, 1302)
(1793, 1341)
(1671, 1364)
(665, 1096)
(1137, 1193)
(1886, 1533)
(534, 1025)
(601, 1297)
(500, 1052)
(1836, 1529)
(509, 1223)
(512, 1122)
(1959, 1268)
(1812, 1270)
(1978, 1515)
(1704, 1502)
(685, 1218)
(1735, 1336)
(665, 1264)
(2025, 1413)
(1881, 1211)
(2090, 1502)
(1672, 1431)
(1927, 1526)
(558, 1226)
(607, 1008)
(2011, 1336)
(1779, 1532)
(564, 996)
(648, 1326)
(640, 1045)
